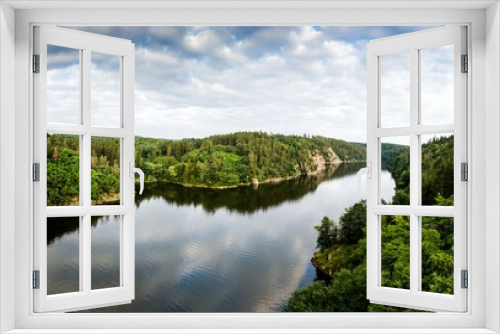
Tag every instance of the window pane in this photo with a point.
(63, 170)
(105, 90)
(63, 255)
(395, 251)
(437, 85)
(395, 158)
(63, 85)
(395, 90)
(106, 251)
(105, 171)
(437, 254)
(437, 169)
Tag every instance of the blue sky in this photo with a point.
(198, 81)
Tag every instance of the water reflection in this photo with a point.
(63, 255)
(244, 200)
(233, 250)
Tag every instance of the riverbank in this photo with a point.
(255, 183)
(107, 199)
(114, 199)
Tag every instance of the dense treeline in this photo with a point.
(341, 246)
(238, 158)
(63, 180)
(396, 159)
(218, 161)
(437, 169)
(63, 168)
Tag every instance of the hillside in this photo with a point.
(341, 246)
(220, 161)
(240, 158)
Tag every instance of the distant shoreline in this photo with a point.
(254, 183)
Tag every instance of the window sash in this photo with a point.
(85, 298)
(414, 298)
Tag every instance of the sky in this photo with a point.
(198, 81)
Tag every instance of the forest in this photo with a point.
(341, 245)
(219, 161)
(240, 158)
(63, 170)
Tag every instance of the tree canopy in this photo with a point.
(341, 246)
(231, 160)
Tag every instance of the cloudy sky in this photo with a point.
(199, 81)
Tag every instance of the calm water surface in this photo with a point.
(207, 250)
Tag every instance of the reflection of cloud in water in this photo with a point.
(188, 260)
(220, 262)
(105, 250)
(63, 255)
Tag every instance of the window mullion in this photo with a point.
(86, 87)
(85, 168)
(414, 171)
(86, 263)
(85, 190)
(85, 193)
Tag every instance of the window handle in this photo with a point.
(367, 170)
(134, 170)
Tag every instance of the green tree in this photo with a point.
(343, 257)
(327, 233)
(353, 223)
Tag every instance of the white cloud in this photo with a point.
(202, 41)
(63, 95)
(198, 81)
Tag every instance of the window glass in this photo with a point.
(105, 90)
(395, 90)
(105, 162)
(63, 170)
(438, 155)
(437, 85)
(395, 158)
(63, 255)
(63, 85)
(437, 254)
(106, 232)
(395, 251)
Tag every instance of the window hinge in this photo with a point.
(465, 279)
(36, 63)
(464, 172)
(36, 279)
(465, 64)
(36, 172)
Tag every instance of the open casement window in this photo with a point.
(78, 110)
(417, 96)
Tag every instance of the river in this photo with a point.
(209, 250)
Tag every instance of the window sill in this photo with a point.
(251, 331)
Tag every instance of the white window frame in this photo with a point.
(86, 44)
(484, 46)
(413, 43)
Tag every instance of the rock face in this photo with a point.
(333, 158)
(319, 163)
(314, 166)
